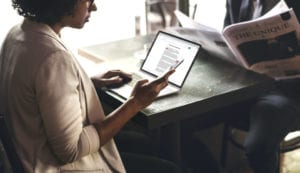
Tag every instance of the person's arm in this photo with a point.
(142, 95)
(61, 104)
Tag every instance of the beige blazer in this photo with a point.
(49, 103)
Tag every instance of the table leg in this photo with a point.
(171, 142)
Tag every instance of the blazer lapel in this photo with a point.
(236, 11)
(245, 10)
(93, 106)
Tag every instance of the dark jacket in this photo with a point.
(241, 10)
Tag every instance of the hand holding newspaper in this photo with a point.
(268, 44)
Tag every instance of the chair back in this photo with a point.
(9, 148)
(233, 135)
(160, 14)
(291, 142)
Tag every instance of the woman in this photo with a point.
(50, 105)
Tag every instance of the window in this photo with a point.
(9, 18)
(210, 13)
(115, 20)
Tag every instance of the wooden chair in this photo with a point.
(159, 14)
(9, 148)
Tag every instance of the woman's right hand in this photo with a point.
(145, 92)
(142, 95)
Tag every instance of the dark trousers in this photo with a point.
(137, 163)
(139, 154)
(268, 120)
(271, 118)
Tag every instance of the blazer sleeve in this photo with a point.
(59, 98)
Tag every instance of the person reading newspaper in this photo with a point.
(272, 116)
(266, 44)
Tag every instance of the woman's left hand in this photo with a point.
(112, 78)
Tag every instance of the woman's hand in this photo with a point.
(112, 78)
(142, 95)
(145, 92)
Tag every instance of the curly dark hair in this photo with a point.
(44, 11)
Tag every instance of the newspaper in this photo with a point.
(210, 39)
(268, 44)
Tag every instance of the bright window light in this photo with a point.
(115, 20)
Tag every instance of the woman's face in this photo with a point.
(81, 15)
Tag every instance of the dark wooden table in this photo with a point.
(212, 84)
